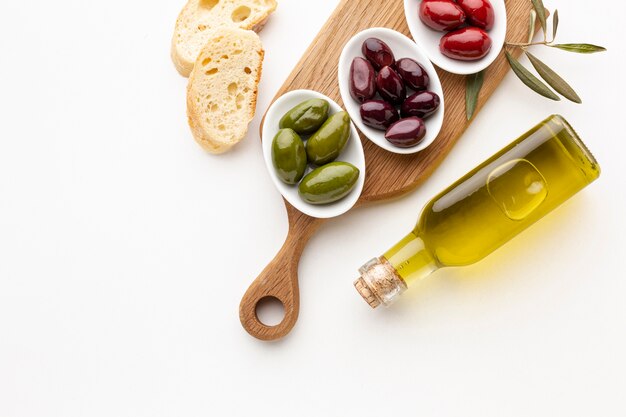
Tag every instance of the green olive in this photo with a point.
(327, 143)
(306, 117)
(288, 156)
(329, 183)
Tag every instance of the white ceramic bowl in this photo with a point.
(353, 153)
(402, 47)
(429, 39)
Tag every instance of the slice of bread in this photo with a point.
(198, 17)
(222, 89)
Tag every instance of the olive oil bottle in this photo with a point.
(485, 209)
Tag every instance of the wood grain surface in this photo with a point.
(388, 175)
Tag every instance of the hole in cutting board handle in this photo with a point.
(270, 311)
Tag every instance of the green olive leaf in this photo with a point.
(529, 79)
(553, 79)
(580, 48)
(473, 85)
(555, 24)
(531, 25)
(541, 13)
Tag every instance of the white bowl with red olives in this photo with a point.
(459, 36)
(391, 90)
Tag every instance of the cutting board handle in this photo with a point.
(279, 280)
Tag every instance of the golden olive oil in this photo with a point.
(486, 208)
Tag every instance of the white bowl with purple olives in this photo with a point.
(391, 90)
(459, 36)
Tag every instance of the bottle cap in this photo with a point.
(379, 283)
(365, 292)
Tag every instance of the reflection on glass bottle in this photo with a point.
(485, 209)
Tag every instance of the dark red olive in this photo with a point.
(467, 44)
(378, 53)
(406, 133)
(378, 114)
(478, 12)
(421, 104)
(390, 86)
(413, 74)
(441, 15)
(362, 80)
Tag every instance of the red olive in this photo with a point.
(441, 15)
(378, 114)
(467, 44)
(413, 74)
(479, 12)
(421, 104)
(406, 133)
(378, 53)
(390, 86)
(362, 80)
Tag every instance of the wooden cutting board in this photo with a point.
(388, 175)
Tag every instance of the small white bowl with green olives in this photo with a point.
(313, 153)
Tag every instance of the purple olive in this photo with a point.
(406, 133)
(422, 104)
(362, 80)
(378, 53)
(378, 114)
(390, 86)
(413, 74)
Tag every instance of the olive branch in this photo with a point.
(474, 82)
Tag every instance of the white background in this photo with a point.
(125, 249)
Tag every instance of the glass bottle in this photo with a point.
(485, 209)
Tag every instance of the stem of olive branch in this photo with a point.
(545, 42)
(525, 45)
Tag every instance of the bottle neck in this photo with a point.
(383, 279)
(412, 259)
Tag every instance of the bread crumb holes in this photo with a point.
(240, 14)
